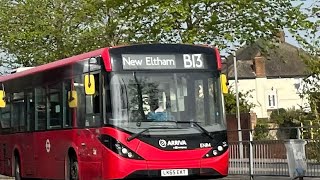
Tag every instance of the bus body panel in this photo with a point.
(25, 146)
(27, 153)
(90, 170)
(116, 167)
(51, 146)
(219, 163)
(154, 154)
(6, 155)
(122, 137)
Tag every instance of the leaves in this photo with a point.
(244, 105)
(37, 32)
(40, 31)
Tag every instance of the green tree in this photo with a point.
(261, 130)
(287, 119)
(39, 31)
(311, 44)
(231, 102)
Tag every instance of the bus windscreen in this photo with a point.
(144, 99)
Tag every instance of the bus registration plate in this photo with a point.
(174, 172)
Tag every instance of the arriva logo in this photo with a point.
(163, 143)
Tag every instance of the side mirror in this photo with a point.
(89, 84)
(2, 99)
(73, 99)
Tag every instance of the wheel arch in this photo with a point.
(70, 153)
(16, 153)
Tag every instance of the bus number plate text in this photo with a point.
(174, 172)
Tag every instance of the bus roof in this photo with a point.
(52, 65)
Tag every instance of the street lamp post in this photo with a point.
(237, 104)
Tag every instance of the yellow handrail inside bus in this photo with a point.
(223, 80)
(73, 99)
(89, 84)
(2, 99)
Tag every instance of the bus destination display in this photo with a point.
(163, 61)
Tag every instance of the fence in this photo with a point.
(268, 157)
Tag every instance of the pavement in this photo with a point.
(5, 177)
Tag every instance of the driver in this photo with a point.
(157, 113)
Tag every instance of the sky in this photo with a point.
(288, 37)
(306, 3)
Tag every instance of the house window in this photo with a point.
(272, 99)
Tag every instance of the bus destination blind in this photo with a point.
(163, 61)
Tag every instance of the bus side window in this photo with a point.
(79, 87)
(67, 119)
(41, 109)
(5, 120)
(18, 118)
(30, 111)
(93, 115)
(55, 106)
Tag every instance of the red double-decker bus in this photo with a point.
(139, 111)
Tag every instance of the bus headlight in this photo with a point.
(217, 150)
(124, 150)
(118, 147)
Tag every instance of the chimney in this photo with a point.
(259, 67)
(281, 36)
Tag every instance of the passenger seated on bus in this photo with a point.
(157, 113)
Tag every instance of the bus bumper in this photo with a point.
(117, 167)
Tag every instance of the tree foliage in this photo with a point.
(261, 130)
(35, 32)
(231, 103)
(289, 118)
(310, 41)
(40, 31)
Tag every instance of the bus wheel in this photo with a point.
(73, 168)
(17, 168)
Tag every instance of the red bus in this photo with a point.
(138, 111)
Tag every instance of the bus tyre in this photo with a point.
(73, 168)
(17, 168)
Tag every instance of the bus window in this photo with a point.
(18, 108)
(67, 123)
(215, 111)
(79, 87)
(41, 109)
(30, 112)
(88, 110)
(93, 115)
(6, 115)
(55, 106)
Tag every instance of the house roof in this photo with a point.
(281, 60)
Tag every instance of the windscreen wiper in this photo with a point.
(197, 124)
(133, 136)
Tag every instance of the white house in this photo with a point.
(273, 75)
